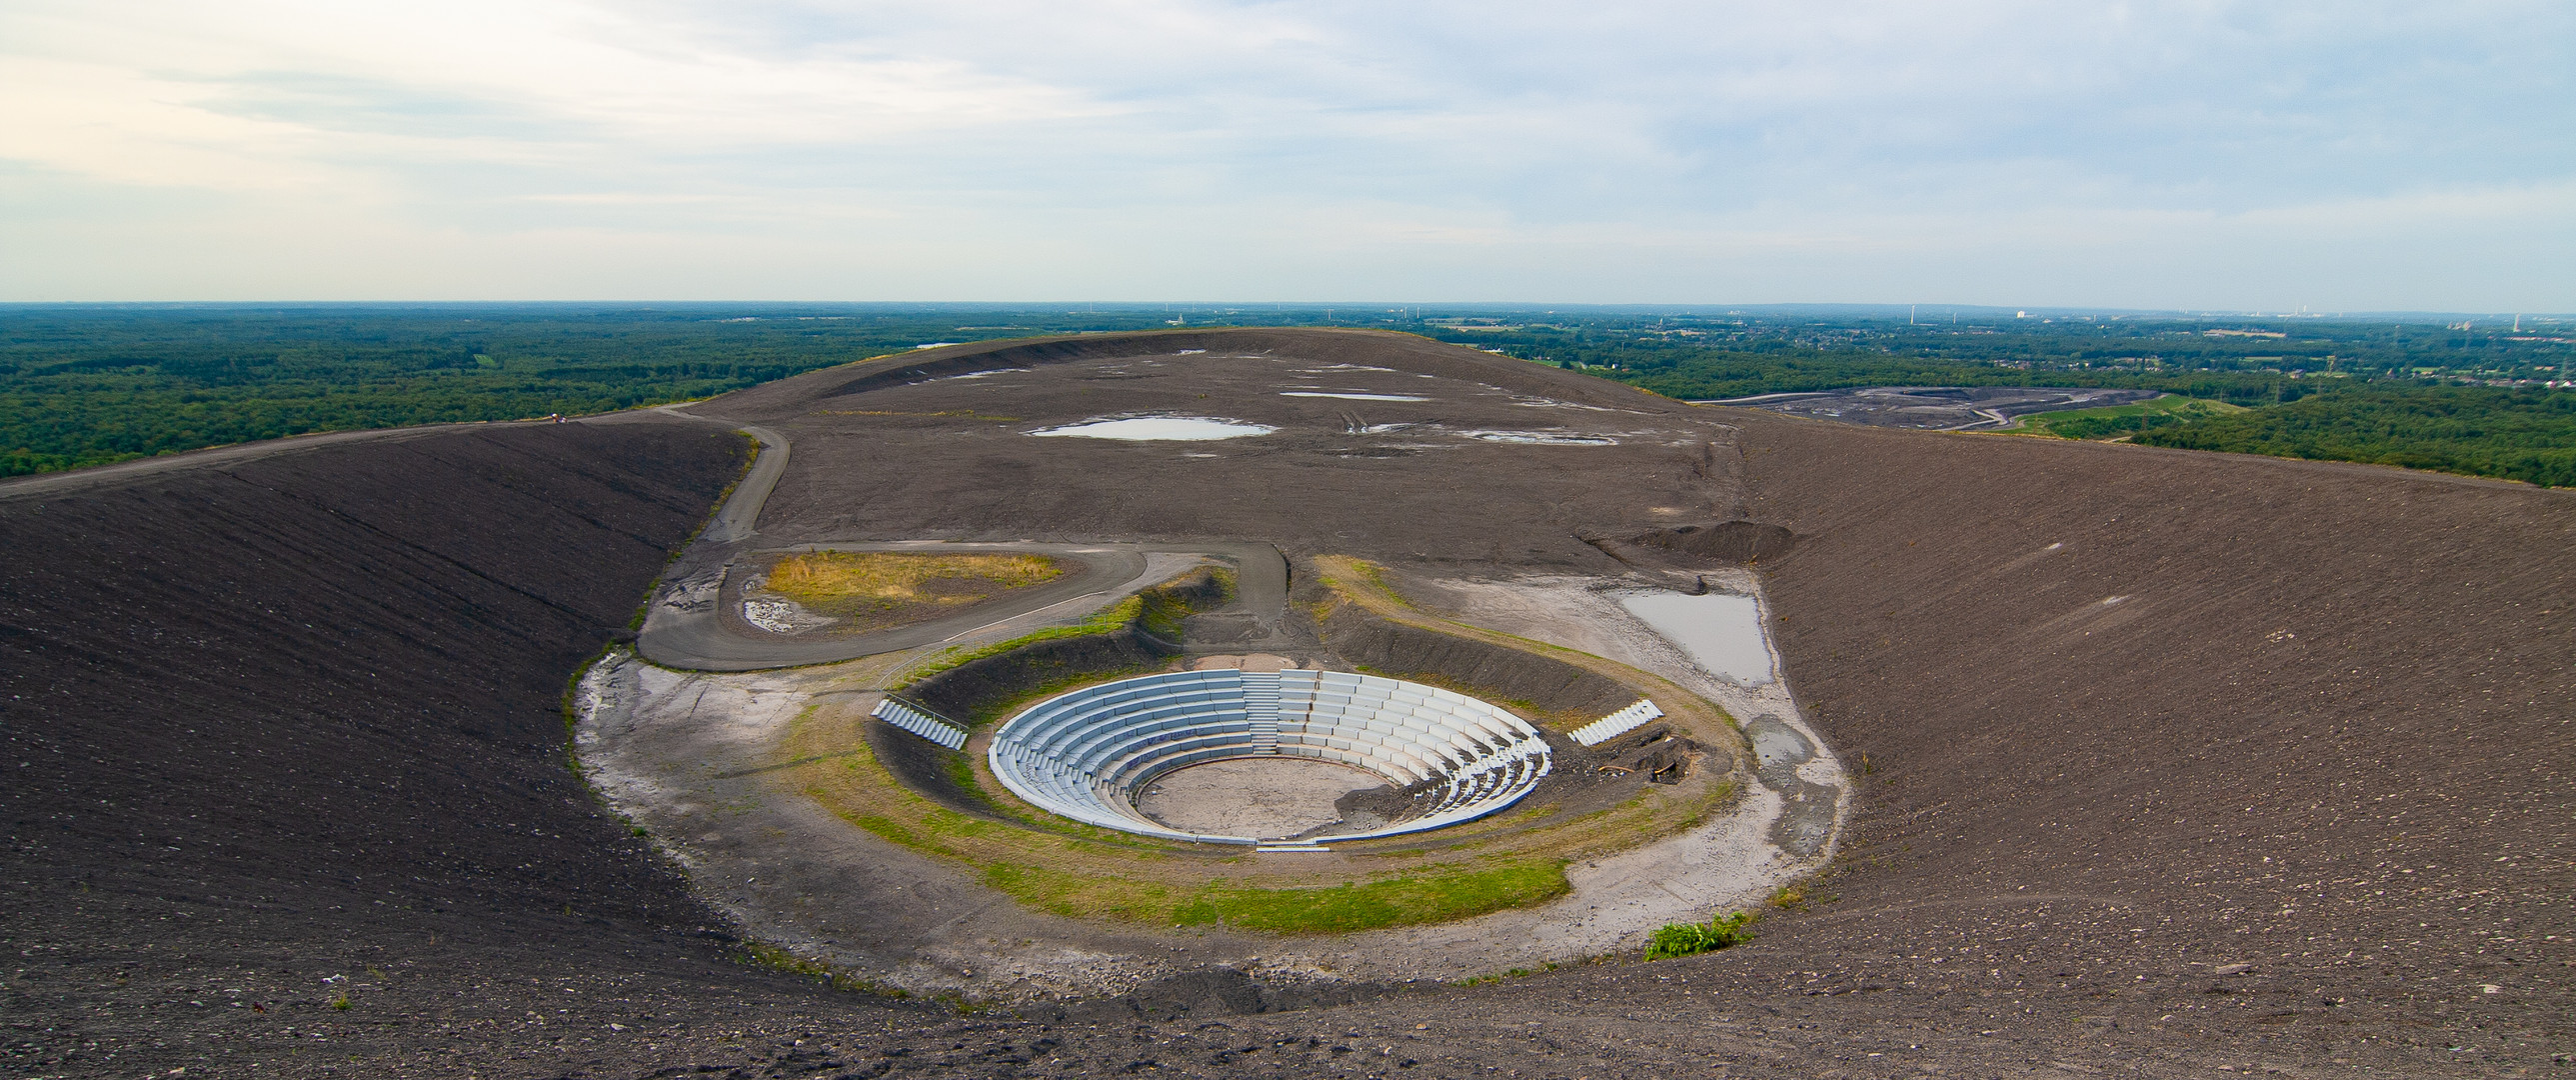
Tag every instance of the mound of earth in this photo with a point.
(2172, 762)
(1724, 541)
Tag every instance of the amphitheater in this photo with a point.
(1085, 754)
(2080, 759)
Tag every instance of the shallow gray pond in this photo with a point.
(1721, 632)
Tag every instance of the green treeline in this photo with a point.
(86, 384)
(2516, 433)
(1728, 374)
(2443, 398)
(2526, 434)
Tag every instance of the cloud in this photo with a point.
(1630, 145)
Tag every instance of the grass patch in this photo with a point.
(2119, 421)
(1375, 576)
(1164, 608)
(1689, 939)
(778, 959)
(1081, 896)
(890, 586)
(902, 816)
(1515, 973)
(961, 772)
(1370, 905)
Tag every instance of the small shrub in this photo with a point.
(1690, 939)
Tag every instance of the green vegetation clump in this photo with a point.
(778, 959)
(1369, 905)
(2526, 434)
(1163, 609)
(1688, 939)
(2116, 421)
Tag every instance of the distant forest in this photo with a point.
(91, 384)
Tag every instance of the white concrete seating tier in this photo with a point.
(1086, 754)
(1616, 724)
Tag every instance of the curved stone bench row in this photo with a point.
(1086, 754)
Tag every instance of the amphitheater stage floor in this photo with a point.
(1265, 797)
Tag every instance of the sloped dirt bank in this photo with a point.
(286, 731)
(1549, 687)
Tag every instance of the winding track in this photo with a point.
(706, 634)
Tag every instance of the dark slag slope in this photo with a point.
(300, 717)
(2129, 708)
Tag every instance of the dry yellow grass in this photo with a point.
(860, 582)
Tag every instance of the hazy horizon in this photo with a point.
(2210, 156)
(1358, 309)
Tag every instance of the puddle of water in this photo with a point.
(1540, 438)
(1159, 429)
(1722, 633)
(1776, 747)
(1353, 396)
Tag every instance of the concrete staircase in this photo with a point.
(1261, 707)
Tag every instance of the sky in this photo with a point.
(2349, 156)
